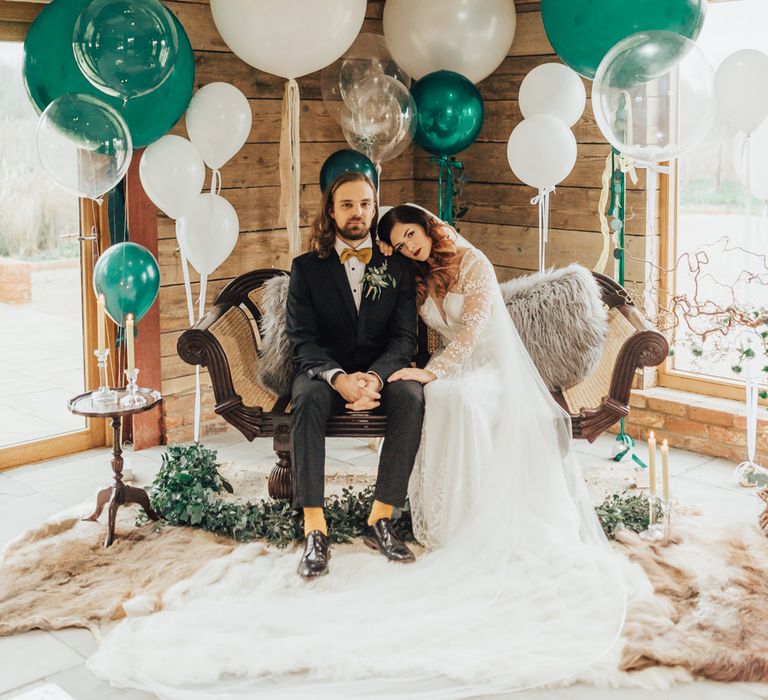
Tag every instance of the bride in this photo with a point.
(518, 588)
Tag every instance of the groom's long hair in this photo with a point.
(322, 235)
(438, 272)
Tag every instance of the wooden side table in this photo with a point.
(119, 494)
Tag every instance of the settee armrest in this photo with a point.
(205, 345)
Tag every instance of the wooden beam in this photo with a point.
(142, 225)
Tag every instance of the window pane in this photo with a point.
(41, 342)
(718, 242)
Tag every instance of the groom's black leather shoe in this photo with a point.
(314, 561)
(381, 536)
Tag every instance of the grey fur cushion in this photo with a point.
(562, 321)
(276, 369)
(559, 315)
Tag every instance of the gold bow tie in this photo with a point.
(364, 255)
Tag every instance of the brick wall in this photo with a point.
(15, 282)
(710, 426)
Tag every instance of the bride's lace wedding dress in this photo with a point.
(519, 588)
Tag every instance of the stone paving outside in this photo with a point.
(41, 359)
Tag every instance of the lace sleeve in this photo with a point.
(476, 282)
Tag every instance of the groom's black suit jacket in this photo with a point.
(326, 331)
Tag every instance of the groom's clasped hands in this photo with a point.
(359, 389)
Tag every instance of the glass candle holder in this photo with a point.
(132, 397)
(103, 395)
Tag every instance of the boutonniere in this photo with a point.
(377, 278)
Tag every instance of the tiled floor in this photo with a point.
(30, 663)
(37, 376)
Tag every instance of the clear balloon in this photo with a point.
(368, 56)
(218, 122)
(172, 174)
(741, 89)
(653, 96)
(470, 37)
(83, 144)
(125, 47)
(383, 120)
(541, 151)
(289, 38)
(553, 89)
(208, 232)
(50, 70)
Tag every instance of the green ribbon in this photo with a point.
(629, 447)
(618, 202)
(445, 183)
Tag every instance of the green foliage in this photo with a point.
(186, 492)
(758, 479)
(627, 510)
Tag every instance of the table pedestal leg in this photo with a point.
(119, 494)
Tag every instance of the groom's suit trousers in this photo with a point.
(314, 401)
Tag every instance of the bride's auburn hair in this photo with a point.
(438, 272)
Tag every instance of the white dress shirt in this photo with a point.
(355, 270)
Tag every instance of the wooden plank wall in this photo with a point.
(251, 183)
(500, 219)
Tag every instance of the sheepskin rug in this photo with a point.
(696, 608)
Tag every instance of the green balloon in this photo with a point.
(450, 112)
(129, 278)
(125, 48)
(346, 161)
(50, 70)
(583, 31)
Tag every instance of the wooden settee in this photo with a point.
(226, 341)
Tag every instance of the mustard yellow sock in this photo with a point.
(378, 511)
(314, 520)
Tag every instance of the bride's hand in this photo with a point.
(423, 376)
(385, 248)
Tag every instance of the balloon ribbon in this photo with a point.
(542, 200)
(445, 186)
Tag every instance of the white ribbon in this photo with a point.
(752, 391)
(216, 181)
(629, 165)
(290, 167)
(542, 200)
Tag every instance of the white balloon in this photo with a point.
(553, 89)
(741, 89)
(471, 37)
(288, 38)
(752, 169)
(172, 174)
(208, 232)
(541, 151)
(218, 122)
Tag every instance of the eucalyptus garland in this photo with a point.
(624, 510)
(187, 491)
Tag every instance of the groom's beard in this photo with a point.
(354, 230)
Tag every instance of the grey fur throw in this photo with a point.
(276, 368)
(559, 315)
(562, 321)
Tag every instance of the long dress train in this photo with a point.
(520, 588)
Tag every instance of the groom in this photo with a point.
(351, 323)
